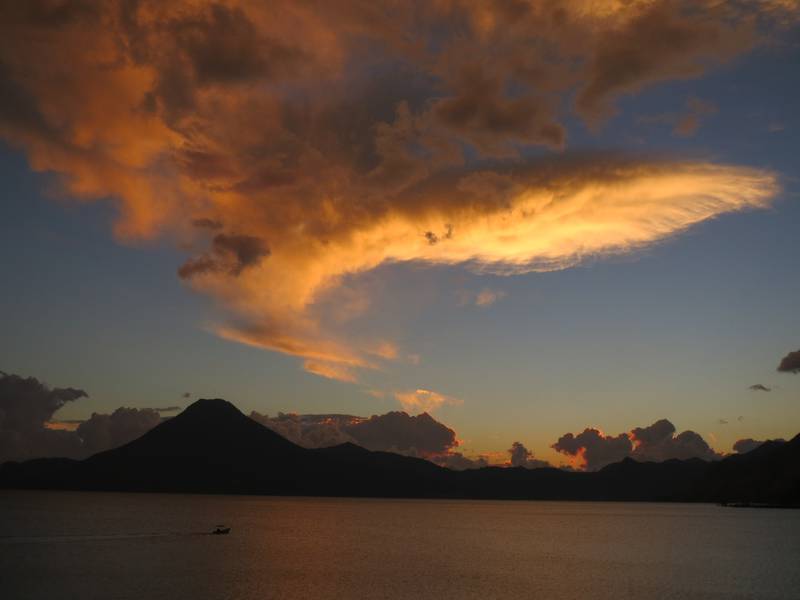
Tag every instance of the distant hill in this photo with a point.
(212, 447)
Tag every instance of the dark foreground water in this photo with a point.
(108, 546)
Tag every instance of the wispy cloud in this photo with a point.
(481, 298)
(420, 400)
(687, 122)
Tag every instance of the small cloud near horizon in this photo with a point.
(748, 444)
(520, 456)
(759, 387)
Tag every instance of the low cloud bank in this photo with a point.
(748, 444)
(520, 456)
(592, 449)
(395, 431)
(27, 428)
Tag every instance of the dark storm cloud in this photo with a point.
(790, 363)
(759, 387)
(520, 456)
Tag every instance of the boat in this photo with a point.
(221, 530)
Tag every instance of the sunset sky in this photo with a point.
(527, 218)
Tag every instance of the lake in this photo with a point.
(156, 546)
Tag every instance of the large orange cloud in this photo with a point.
(294, 145)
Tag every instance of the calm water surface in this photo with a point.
(141, 546)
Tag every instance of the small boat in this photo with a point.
(221, 530)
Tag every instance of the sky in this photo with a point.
(527, 219)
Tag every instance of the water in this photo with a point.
(142, 546)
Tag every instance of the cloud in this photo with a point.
(746, 445)
(421, 436)
(102, 431)
(696, 110)
(687, 123)
(520, 456)
(331, 370)
(482, 298)
(790, 363)
(291, 148)
(425, 400)
(487, 297)
(592, 449)
(458, 462)
(230, 254)
(722, 421)
(656, 41)
(399, 432)
(759, 387)
(310, 431)
(26, 405)
(28, 430)
(168, 409)
(657, 443)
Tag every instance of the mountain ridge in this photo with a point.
(212, 447)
